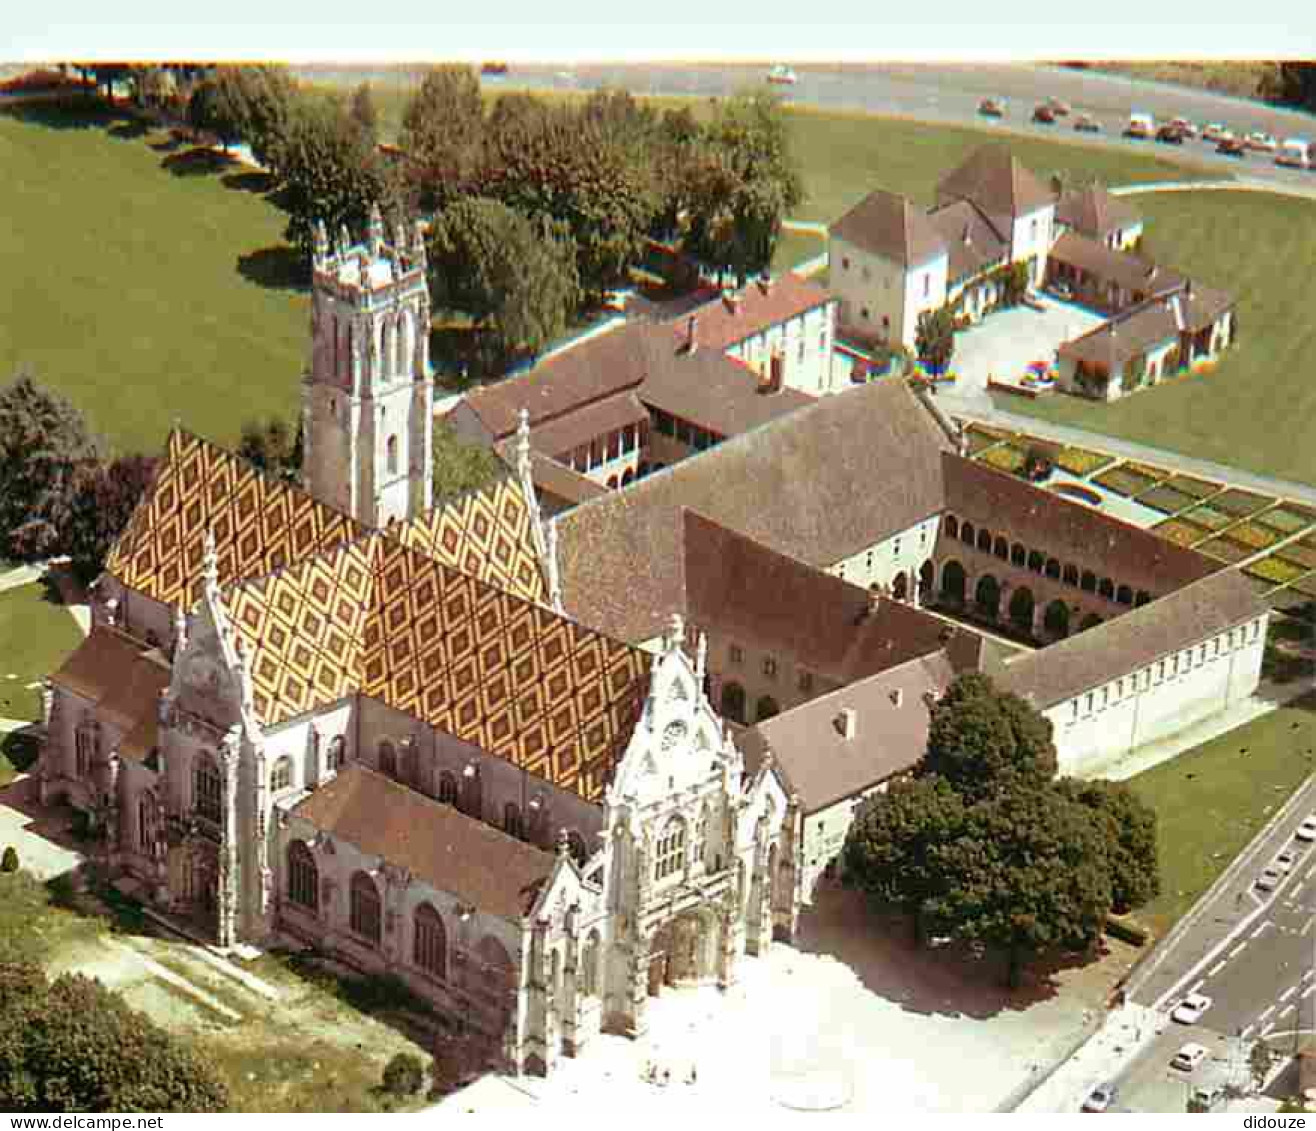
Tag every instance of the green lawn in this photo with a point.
(125, 285)
(35, 636)
(794, 248)
(1212, 801)
(1254, 410)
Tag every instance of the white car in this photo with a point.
(1261, 140)
(1307, 830)
(1189, 1057)
(1184, 126)
(1285, 860)
(1190, 1010)
(1270, 878)
(1215, 131)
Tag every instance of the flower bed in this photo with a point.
(1124, 481)
(1306, 586)
(1240, 503)
(1180, 532)
(1272, 569)
(1198, 488)
(1156, 474)
(1006, 457)
(1288, 518)
(1226, 550)
(978, 443)
(1209, 517)
(1166, 500)
(1080, 461)
(1298, 554)
(1252, 534)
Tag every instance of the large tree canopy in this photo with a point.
(443, 133)
(1129, 828)
(102, 506)
(460, 467)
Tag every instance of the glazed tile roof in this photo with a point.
(891, 226)
(123, 679)
(488, 667)
(440, 846)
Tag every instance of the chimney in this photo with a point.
(898, 697)
(1188, 288)
(874, 599)
(765, 282)
(732, 301)
(691, 343)
(845, 723)
(777, 367)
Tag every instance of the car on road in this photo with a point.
(1295, 153)
(1170, 135)
(1087, 124)
(1141, 126)
(1190, 1010)
(1307, 830)
(1232, 147)
(782, 75)
(1189, 1057)
(1285, 860)
(1270, 878)
(1100, 1098)
(1261, 140)
(1184, 126)
(991, 108)
(1056, 106)
(1043, 115)
(1216, 131)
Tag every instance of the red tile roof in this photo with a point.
(729, 319)
(891, 226)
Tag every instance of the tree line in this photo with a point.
(984, 844)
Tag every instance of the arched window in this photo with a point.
(1124, 595)
(447, 788)
(967, 533)
(951, 525)
(1052, 568)
(985, 541)
(1019, 555)
(589, 966)
(337, 753)
(392, 455)
(499, 975)
(429, 948)
(1142, 598)
(1070, 575)
(388, 759)
(1088, 582)
(206, 787)
(1106, 588)
(147, 827)
(671, 850)
(577, 847)
(281, 775)
(733, 702)
(701, 834)
(364, 913)
(512, 823)
(85, 743)
(1036, 560)
(1001, 549)
(303, 877)
(766, 708)
(472, 802)
(407, 341)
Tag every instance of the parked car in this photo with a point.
(1189, 1057)
(1056, 106)
(1087, 124)
(1270, 878)
(1307, 830)
(1285, 860)
(1169, 135)
(1100, 1098)
(1295, 153)
(991, 108)
(1184, 126)
(1215, 131)
(1043, 115)
(782, 75)
(1141, 126)
(1190, 1010)
(1061, 289)
(1261, 140)
(1232, 148)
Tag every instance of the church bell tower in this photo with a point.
(368, 399)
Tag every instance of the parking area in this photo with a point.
(1004, 344)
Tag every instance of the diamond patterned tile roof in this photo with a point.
(482, 664)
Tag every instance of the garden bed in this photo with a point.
(1208, 516)
(1288, 518)
(1004, 457)
(1298, 554)
(1305, 586)
(1253, 534)
(1166, 499)
(978, 443)
(1156, 474)
(1241, 503)
(1275, 570)
(1181, 532)
(1226, 550)
(1189, 485)
(1080, 461)
(1125, 480)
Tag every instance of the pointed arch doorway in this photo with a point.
(683, 951)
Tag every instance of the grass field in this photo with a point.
(795, 248)
(1254, 409)
(1212, 801)
(35, 636)
(125, 288)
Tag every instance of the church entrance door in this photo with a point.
(657, 974)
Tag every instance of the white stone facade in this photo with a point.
(883, 298)
(804, 344)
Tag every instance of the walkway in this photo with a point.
(1242, 184)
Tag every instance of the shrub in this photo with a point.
(1126, 930)
(404, 1075)
(9, 862)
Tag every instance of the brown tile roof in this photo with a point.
(600, 367)
(822, 766)
(1133, 640)
(1202, 306)
(1070, 531)
(974, 244)
(714, 391)
(997, 183)
(562, 435)
(724, 322)
(1117, 342)
(123, 679)
(771, 601)
(560, 482)
(440, 846)
(1108, 265)
(818, 485)
(490, 668)
(258, 524)
(1093, 212)
(891, 226)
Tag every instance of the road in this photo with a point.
(944, 92)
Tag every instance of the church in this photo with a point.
(349, 717)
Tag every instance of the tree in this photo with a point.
(934, 339)
(1129, 827)
(515, 276)
(364, 113)
(460, 467)
(1259, 1060)
(329, 171)
(262, 100)
(1027, 874)
(273, 447)
(443, 133)
(404, 1074)
(45, 447)
(105, 500)
(210, 112)
(980, 739)
(1039, 462)
(9, 861)
(74, 1046)
(891, 851)
(1014, 281)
